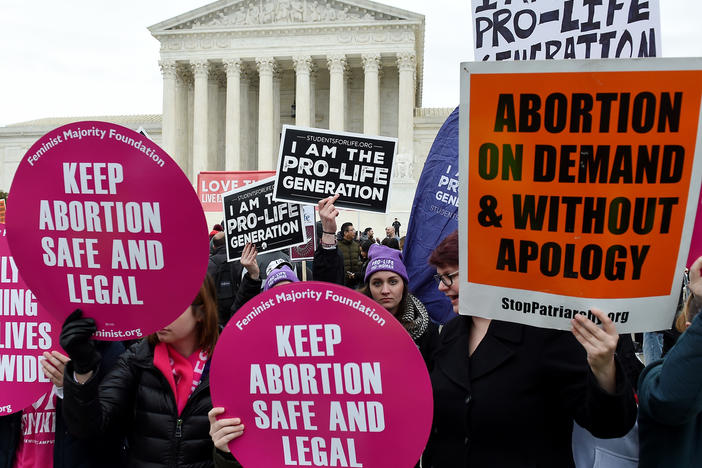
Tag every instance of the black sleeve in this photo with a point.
(428, 344)
(328, 266)
(576, 389)
(98, 407)
(225, 460)
(248, 289)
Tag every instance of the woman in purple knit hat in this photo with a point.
(385, 281)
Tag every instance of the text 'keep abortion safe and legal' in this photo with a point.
(100, 180)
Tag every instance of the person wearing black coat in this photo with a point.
(164, 427)
(506, 394)
(69, 451)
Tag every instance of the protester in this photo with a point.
(349, 249)
(390, 233)
(158, 393)
(396, 225)
(386, 282)
(391, 242)
(225, 276)
(507, 394)
(670, 393)
(215, 229)
(365, 245)
(279, 277)
(24, 443)
(251, 282)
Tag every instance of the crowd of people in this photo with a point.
(505, 394)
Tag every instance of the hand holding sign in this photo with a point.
(53, 365)
(328, 213)
(248, 260)
(600, 344)
(223, 430)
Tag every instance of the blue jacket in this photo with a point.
(670, 411)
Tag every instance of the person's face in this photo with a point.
(450, 291)
(390, 232)
(386, 288)
(363, 254)
(371, 234)
(350, 233)
(184, 327)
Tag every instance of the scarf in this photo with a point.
(415, 317)
(183, 374)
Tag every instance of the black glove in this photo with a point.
(76, 340)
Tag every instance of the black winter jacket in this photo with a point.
(513, 402)
(69, 452)
(135, 397)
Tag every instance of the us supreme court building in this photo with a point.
(235, 71)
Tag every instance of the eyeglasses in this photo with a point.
(447, 278)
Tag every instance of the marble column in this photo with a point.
(313, 96)
(265, 67)
(200, 73)
(168, 69)
(182, 148)
(337, 91)
(232, 139)
(303, 66)
(213, 101)
(245, 149)
(406, 65)
(277, 128)
(371, 93)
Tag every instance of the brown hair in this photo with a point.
(204, 308)
(688, 313)
(446, 253)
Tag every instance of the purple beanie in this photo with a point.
(383, 258)
(283, 273)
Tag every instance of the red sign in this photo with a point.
(213, 184)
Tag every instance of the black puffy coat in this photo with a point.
(135, 397)
(69, 452)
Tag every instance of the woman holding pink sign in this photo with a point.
(507, 394)
(158, 393)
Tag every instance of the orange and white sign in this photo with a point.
(581, 187)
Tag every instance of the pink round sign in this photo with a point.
(26, 332)
(321, 375)
(102, 219)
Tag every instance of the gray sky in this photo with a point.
(96, 57)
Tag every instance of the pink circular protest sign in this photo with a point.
(321, 375)
(102, 219)
(26, 332)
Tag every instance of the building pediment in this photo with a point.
(256, 13)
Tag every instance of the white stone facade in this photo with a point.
(235, 71)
